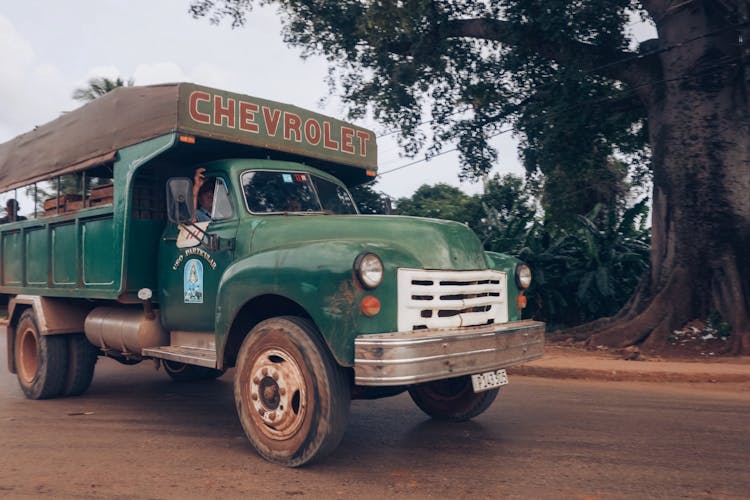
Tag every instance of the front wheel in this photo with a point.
(291, 396)
(451, 399)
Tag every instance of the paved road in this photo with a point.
(136, 434)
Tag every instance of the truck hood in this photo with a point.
(424, 243)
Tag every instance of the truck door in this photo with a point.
(189, 271)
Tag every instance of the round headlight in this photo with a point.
(369, 269)
(523, 276)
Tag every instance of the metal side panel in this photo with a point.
(412, 357)
(192, 348)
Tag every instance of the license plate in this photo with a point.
(489, 380)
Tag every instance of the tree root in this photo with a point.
(582, 332)
(654, 312)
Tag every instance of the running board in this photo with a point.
(183, 354)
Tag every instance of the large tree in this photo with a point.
(581, 93)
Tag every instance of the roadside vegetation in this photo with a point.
(584, 266)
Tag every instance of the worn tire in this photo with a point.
(291, 396)
(82, 356)
(453, 399)
(181, 372)
(41, 360)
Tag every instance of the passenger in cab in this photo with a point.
(11, 212)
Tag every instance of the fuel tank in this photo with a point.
(124, 330)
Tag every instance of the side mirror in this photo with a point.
(180, 200)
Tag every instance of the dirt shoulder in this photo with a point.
(570, 361)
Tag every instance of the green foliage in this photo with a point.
(719, 325)
(574, 114)
(440, 201)
(507, 214)
(370, 201)
(589, 271)
(98, 86)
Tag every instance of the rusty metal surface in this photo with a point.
(53, 316)
(196, 340)
(413, 357)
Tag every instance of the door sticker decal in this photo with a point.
(193, 282)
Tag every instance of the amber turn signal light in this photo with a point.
(187, 139)
(521, 301)
(370, 306)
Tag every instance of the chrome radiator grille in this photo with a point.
(450, 299)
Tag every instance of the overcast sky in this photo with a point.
(50, 47)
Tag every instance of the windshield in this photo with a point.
(268, 191)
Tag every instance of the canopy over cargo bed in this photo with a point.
(93, 133)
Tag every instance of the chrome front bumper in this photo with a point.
(404, 358)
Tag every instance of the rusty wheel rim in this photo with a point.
(28, 356)
(277, 394)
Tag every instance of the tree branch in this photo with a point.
(625, 66)
(481, 28)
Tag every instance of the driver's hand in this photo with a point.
(199, 177)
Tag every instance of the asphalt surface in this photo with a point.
(136, 434)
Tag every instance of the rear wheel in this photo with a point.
(82, 356)
(181, 372)
(291, 396)
(41, 360)
(451, 399)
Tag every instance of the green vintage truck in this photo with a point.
(210, 230)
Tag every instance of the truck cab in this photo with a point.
(220, 233)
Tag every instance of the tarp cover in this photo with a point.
(125, 116)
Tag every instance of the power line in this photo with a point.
(415, 162)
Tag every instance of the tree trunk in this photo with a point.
(699, 126)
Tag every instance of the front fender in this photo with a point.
(507, 264)
(317, 276)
